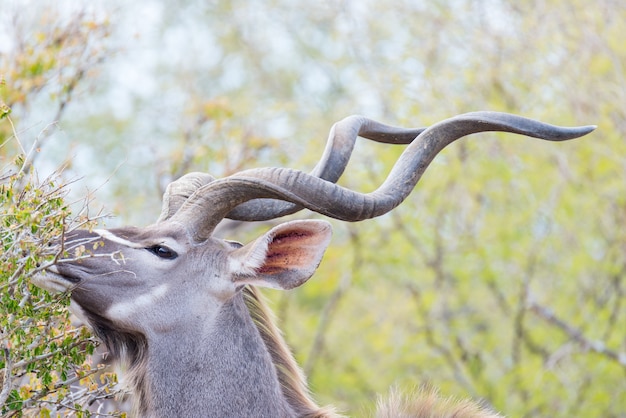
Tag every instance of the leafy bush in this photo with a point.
(44, 355)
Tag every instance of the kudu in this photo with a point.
(179, 307)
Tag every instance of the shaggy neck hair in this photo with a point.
(292, 380)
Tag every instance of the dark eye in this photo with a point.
(162, 252)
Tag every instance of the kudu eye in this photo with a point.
(162, 252)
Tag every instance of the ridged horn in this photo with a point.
(178, 191)
(331, 166)
(212, 202)
(339, 147)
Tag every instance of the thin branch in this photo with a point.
(15, 135)
(60, 385)
(35, 359)
(577, 335)
(7, 381)
(460, 374)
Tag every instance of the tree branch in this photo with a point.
(577, 335)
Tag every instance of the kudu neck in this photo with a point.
(218, 369)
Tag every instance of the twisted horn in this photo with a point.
(212, 202)
(339, 147)
(341, 140)
(177, 192)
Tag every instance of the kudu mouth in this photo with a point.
(70, 278)
(72, 268)
(54, 281)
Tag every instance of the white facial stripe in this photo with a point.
(124, 310)
(114, 238)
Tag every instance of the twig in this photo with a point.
(577, 335)
(6, 384)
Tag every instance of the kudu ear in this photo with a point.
(283, 258)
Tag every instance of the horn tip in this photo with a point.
(577, 132)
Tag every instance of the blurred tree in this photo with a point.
(507, 283)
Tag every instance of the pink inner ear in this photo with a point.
(283, 258)
(290, 249)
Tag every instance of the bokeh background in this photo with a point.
(502, 277)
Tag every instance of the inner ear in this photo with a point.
(284, 257)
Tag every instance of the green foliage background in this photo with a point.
(501, 277)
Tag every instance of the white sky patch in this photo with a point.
(124, 310)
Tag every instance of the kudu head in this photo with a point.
(133, 284)
(152, 280)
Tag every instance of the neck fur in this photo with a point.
(243, 372)
(222, 370)
(292, 380)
